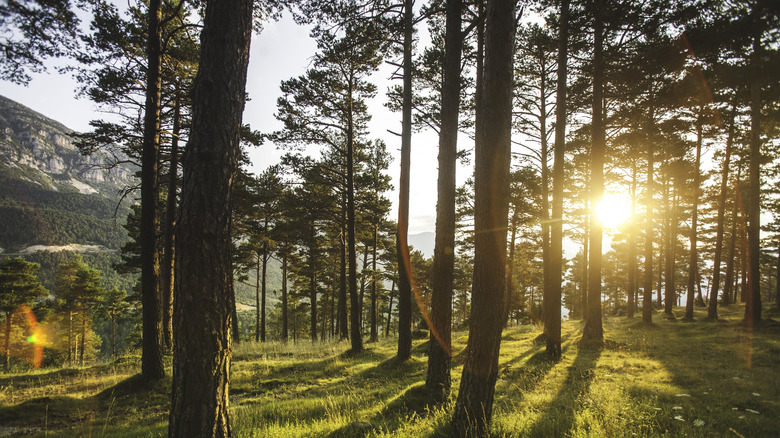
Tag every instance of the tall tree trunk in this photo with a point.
(390, 310)
(202, 315)
(440, 351)
(474, 406)
(341, 313)
(647, 293)
(753, 301)
(777, 283)
(8, 340)
(693, 261)
(545, 213)
(356, 337)
(712, 308)
(373, 316)
(402, 244)
(113, 336)
(152, 352)
(728, 287)
(70, 337)
(363, 279)
(313, 287)
(258, 275)
(285, 305)
(670, 297)
(585, 258)
(170, 224)
(593, 329)
(632, 265)
(263, 282)
(552, 326)
(83, 336)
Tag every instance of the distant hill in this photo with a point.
(423, 242)
(52, 196)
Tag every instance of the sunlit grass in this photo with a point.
(668, 379)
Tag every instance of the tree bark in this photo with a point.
(552, 326)
(204, 278)
(83, 336)
(753, 299)
(402, 244)
(440, 351)
(712, 308)
(593, 329)
(258, 275)
(341, 313)
(313, 287)
(8, 340)
(632, 265)
(390, 310)
(170, 225)
(373, 316)
(670, 296)
(355, 335)
(474, 406)
(693, 261)
(285, 305)
(728, 287)
(152, 352)
(647, 293)
(262, 280)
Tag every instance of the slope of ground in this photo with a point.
(670, 379)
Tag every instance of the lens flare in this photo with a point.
(30, 351)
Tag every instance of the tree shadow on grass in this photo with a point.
(558, 419)
(132, 401)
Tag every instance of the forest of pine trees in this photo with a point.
(621, 159)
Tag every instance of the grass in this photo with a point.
(671, 378)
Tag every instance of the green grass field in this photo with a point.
(707, 379)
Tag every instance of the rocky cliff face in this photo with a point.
(52, 195)
(44, 152)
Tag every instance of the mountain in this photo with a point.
(51, 195)
(423, 242)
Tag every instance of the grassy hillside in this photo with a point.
(669, 379)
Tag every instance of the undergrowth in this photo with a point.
(671, 378)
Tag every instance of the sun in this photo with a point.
(613, 210)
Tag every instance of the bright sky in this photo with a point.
(282, 51)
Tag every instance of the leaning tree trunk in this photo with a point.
(753, 299)
(593, 329)
(552, 326)
(440, 351)
(402, 244)
(152, 352)
(390, 310)
(474, 406)
(693, 261)
(712, 307)
(202, 312)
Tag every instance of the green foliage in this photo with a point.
(18, 284)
